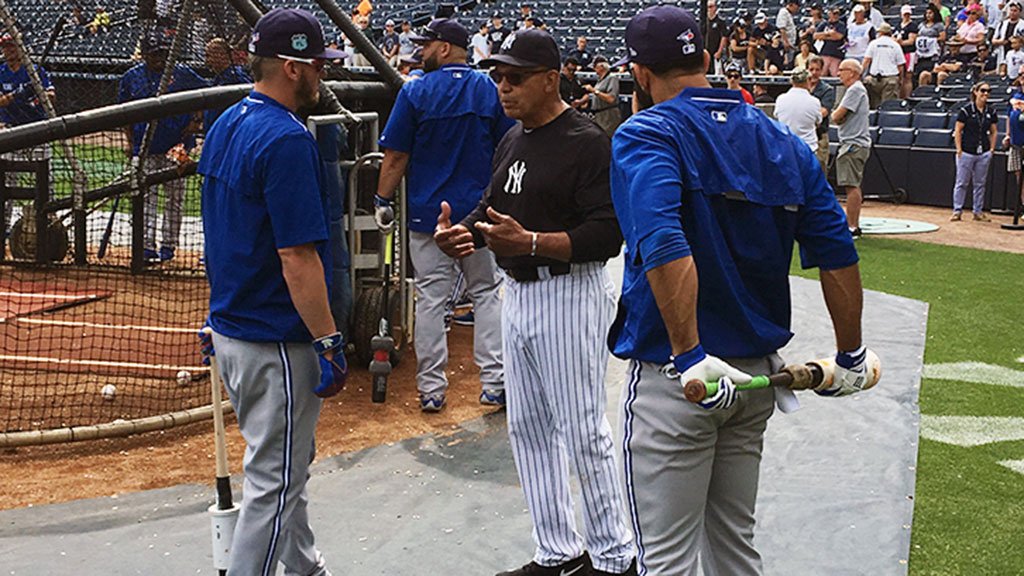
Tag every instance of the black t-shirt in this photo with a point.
(833, 48)
(555, 179)
(716, 29)
(902, 32)
(758, 33)
(776, 56)
(389, 43)
(570, 90)
(974, 138)
(497, 36)
(582, 56)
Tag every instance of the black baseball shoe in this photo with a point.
(575, 567)
(631, 571)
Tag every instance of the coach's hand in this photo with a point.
(206, 350)
(383, 213)
(455, 241)
(506, 236)
(333, 366)
(698, 365)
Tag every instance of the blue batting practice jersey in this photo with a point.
(25, 107)
(707, 176)
(261, 193)
(449, 122)
(231, 75)
(141, 82)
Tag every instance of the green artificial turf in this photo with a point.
(969, 510)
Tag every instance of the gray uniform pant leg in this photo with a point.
(271, 388)
(556, 358)
(692, 474)
(435, 275)
(175, 197)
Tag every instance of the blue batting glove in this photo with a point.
(333, 372)
(206, 350)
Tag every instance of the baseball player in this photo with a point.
(442, 132)
(265, 223)
(548, 218)
(711, 194)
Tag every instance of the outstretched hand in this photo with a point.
(506, 236)
(455, 241)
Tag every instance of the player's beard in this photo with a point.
(308, 93)
(431, 63)
(644, 100)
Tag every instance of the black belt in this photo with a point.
(532, 273)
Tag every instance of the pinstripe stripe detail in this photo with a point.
(627, 461)
(269, 566)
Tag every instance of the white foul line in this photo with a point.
(43, 296)
(104, 363)
(45, 322)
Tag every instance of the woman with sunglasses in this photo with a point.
(739, 44)
(975, 138)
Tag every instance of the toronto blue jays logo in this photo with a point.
(254, 41)
(299, 42)
(687, 39)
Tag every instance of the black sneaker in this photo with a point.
(855, 232)
(631, 571)
(575, 567)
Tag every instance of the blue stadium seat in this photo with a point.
(896, 105)
(930, 106)
(930, 120)
(926, 93)
(874, 130)
(896, 136)
(936, 139)
(892, 119)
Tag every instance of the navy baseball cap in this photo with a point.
(156, 41)
(445, 30)
(533, 48)
(662, 34)
(291, 33)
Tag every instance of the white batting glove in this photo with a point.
(696, 364)
(851, 373)
(383, 213)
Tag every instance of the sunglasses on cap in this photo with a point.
(318, 64)
(514, 78)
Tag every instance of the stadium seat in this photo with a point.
(895, 105)
(936, 139)
(926, 93)
(873, 118)
(892, 119)
(874, 130)
(930, 120)
(896, 136)
(930, 106)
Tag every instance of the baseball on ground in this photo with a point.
(109, 392)
(184, 377)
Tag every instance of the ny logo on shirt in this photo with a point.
(514, 183)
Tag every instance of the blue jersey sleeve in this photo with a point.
(187, 79)
(648, 178)
(400, 132)
(821, 230)
(44, 78)
(291, 189)
(124, 89)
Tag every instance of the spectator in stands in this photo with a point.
(389, 43)
(832, 35)
(716, 40)
(761, 95)
(803, 56)
(225, 73)
(983, 63)
(944, 12)
(971, 31)
(603, 101)
(101, 22)
(854, 140)
(525, 13)
(19, 104)
(410, 66)
(1014, 140)
(859, 33)
(873, 15)
(950, 63)
(739, 44)
(569, 85)
(1014, 59)
(480, 44)
(1011, 26)
(775, 55)
(905, 35)
(733, 75)
(931, 36)
(810, 26)
(884, 66)
(975, 139)
(760, 39)
(405, 44)
(142, 81)
(825, 94)
(785, 21)
(799, 110)
(993, 11)
(498, 32)
(581, 54)
(536, 22)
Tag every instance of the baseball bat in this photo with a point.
(225, 500)
(382, 344)
(105, 240)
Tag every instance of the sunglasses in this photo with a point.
(984, 90)
(317, 63)
(732, 76)
(514, 78)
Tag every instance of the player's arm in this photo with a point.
(392, 170)
(304, 275)
(674, 285)
(844, 298)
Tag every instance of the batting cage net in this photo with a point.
(102, 283)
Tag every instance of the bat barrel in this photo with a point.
(696, 391)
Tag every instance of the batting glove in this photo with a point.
(206, 350)
(698, 365)
(333, 372)
(851, 373)
(383, 213)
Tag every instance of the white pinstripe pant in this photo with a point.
(554, 334)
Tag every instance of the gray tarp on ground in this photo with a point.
(837, 482)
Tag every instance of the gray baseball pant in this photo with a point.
(435, 274)
(692, 474)
(175, 197)
(271, 388)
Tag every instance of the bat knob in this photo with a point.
(695, 391)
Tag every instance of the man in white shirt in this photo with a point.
(884, 66)
(1011, 26)
(785, 21)
(873, 15)
(480, 44)
(859, 33)
(800, 111)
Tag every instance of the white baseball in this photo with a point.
(109, 392)
(184, 377)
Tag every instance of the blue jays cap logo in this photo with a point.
(687, 39)
(300, 42)
(254, 41)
